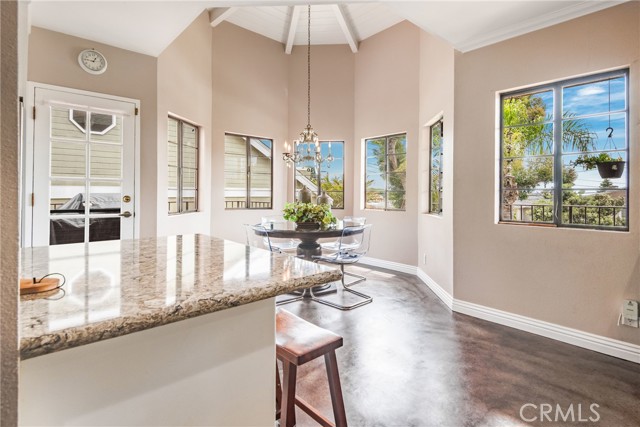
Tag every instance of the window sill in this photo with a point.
(177, 214)
(565, 227)
(528, 224)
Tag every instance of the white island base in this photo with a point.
(213, 370)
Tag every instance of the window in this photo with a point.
(435, 175)
(332, 174)
(100, 123)
(182, 156)
(564, 151)
(386, 172)
(248, 163)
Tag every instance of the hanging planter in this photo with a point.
(612, 169)
(607, 166)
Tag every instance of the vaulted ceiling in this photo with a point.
(150, 26)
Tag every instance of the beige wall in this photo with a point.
(574, 278)
(184, 90)
(386, 102)
(332, 109)
(9, 179)
(435, 232)
(249, 98)
(53, 59)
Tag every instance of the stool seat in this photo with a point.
(299, 341)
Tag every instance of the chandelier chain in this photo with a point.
(309, 65)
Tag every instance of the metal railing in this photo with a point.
(242, 204)
(610, 216)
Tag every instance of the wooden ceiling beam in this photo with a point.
(349, 34)
(218, 15)
(293, 26)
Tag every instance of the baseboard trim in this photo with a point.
(389, 265)
(444, 296)
(611, 347)
(604, 345)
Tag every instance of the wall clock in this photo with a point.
(92, 61)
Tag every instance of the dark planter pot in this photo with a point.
(610, 169)
(307, 225)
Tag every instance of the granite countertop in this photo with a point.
(118, 287)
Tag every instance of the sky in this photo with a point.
(597, 106)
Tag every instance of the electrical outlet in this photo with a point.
(630, 313)
(424, 259)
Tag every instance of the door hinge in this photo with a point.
(137, 111)
(34, 112)
(33, 199)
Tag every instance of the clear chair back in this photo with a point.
(258, 237)
(355, 239)
(351, 221)
(277, 222)
(273, 221)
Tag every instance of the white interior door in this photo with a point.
(83, 170)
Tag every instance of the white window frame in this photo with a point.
(179, 190)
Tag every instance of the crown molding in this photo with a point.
(536, 23)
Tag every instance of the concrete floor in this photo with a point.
(408, 361)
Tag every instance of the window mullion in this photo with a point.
(557, 154)
(386, 173)
(248, 172)
(179, 172)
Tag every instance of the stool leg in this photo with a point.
(278, 393)
(335, 389)
(288, 412)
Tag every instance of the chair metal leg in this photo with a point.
(346, 273)
(366, 299)
(290, 300)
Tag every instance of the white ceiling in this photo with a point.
(150, 26)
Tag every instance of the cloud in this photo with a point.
(591, 90)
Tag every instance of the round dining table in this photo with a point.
(309, 245)
(309, 237)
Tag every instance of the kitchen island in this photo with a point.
(161, 331)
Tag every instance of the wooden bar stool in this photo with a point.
(298, 342)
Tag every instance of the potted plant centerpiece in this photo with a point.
(309, 215)
(608, 167)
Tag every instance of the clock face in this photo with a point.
(92, 61)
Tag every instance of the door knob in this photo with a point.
(126, 214)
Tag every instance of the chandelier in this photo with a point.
(307, 147)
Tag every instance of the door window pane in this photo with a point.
(104, 229)
(66, 197)
(68, 159)
(106, 128)
(68, 123)
(106, 161)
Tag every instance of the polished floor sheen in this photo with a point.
(408, 361)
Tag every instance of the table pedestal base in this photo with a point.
(308, 250)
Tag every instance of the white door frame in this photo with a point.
(28, 155)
